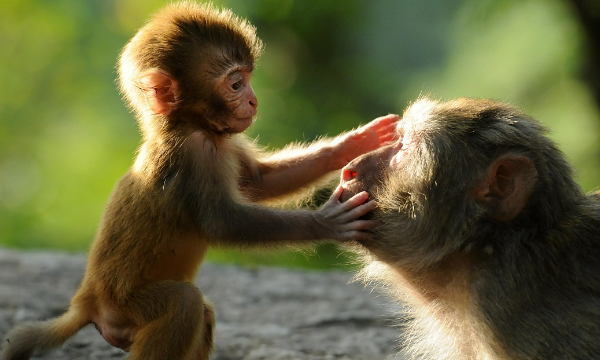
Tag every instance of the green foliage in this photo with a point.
(322, 257)
(66, 137)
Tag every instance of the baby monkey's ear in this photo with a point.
(161, 91)
(507, 186)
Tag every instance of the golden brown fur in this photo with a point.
(186, 74)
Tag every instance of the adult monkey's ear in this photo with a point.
(161, 91)
(507, 186)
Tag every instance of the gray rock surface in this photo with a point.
(262, 313)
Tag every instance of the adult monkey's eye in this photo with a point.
(237, 85)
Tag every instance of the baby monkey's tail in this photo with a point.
(24, 339)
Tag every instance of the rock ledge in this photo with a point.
(262, 313)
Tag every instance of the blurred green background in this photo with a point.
(329, 65)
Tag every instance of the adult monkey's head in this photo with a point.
(463, 174)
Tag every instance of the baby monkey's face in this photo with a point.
(240, 98)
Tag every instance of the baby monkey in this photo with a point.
(195, 183)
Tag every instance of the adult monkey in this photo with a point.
(187, 75)
(485, 235)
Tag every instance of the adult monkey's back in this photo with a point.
(485, 235)
(187, 76)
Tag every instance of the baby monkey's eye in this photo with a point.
(237, 85)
